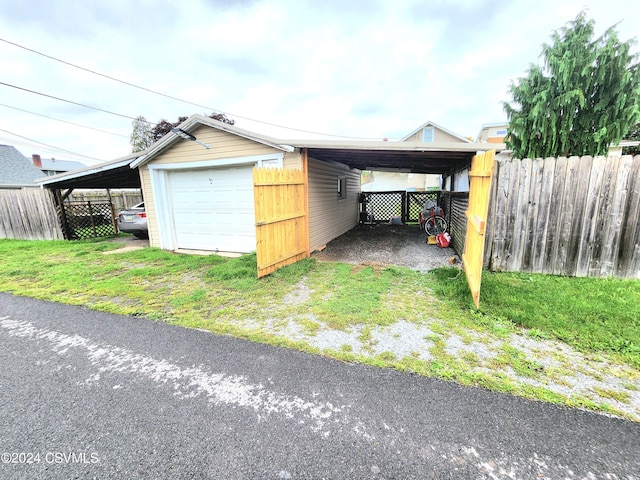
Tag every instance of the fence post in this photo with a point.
(62, 214)
(93, 221)
(403, 209)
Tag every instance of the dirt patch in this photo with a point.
(131, 240)
(384, 244)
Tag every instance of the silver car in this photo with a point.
(134, 220)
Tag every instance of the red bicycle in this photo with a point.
(432, 219)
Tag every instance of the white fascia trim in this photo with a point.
(225, 162)
(196, 120)
(161, 202)
(164, 142)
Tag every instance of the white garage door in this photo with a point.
(212, 209)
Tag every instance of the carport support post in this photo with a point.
(305, 171)
(403, 209)
(113, 212)
(62, 214)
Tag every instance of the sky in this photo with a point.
(300, 69)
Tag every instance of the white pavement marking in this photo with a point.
(189, 382)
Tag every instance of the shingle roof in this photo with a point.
(16, 170)
(61, 165)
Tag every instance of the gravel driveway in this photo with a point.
(384, 244)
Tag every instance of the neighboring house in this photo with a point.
(52, 166)
(429, 132)
(395, 181)
(433, 133)
(16, 171)
(493, 132)
(496, 133)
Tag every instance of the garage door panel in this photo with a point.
(213, 209)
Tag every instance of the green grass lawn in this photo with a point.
(595, 316)
(592, 314)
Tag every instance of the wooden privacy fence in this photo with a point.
(28, 214)
(576, 216)
(480, 188)
(281, 210)
(120, 199)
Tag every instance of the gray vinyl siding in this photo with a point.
(330, 217)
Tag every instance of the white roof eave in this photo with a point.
(85, 171)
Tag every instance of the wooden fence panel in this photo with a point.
(531, 230)
(479, 191)
(577, 217)
(557, 197)
(628, 255)
(574, 223)
(282, 228)
(590, 219)
(546, 212)
(28, 214)
(121, 199)
(512, 239)
(564, 214)
(617, 194)
(499, 214)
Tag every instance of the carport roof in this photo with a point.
(113, 174)
(409, 157)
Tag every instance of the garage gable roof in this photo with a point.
(195, 121)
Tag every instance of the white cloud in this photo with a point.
(352, 68)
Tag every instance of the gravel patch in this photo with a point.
(384, 244)
(331, 339)
(402, 339)
(455, 346)
(565, 371)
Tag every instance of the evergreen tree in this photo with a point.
(584, 97)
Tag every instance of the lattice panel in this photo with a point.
(383, 205)
(406, 205)
(416, 201)
(89, 220)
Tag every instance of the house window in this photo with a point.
(342, 187)
(428, 134)
(501, 132)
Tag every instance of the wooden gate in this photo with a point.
(479, 193)
(281, 209)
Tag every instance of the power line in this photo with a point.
(48, 145)
(155, 92)
(72, 102)
(64, 121)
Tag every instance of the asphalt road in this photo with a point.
(85, 394)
